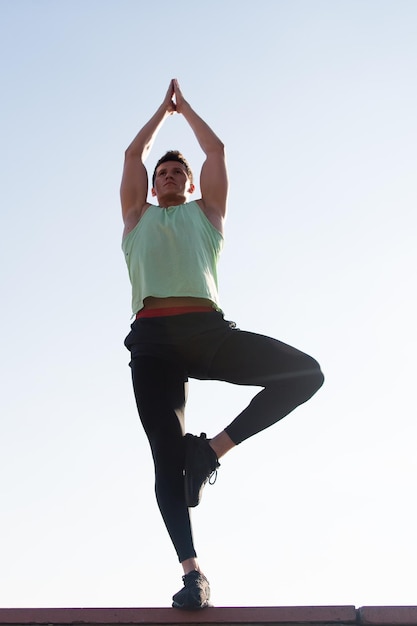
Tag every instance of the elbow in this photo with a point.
(217, 147)
(137, 151)
(133, 154)
(220, 146)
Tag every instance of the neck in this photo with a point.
(166, 201)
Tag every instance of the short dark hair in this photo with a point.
(173, 155)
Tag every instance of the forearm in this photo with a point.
(206, 137)
(142, 143)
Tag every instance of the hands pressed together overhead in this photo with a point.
(174, 100)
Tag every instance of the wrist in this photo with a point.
(184, 107)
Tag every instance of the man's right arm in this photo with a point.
(134, 186)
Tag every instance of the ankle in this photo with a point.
(190, 565)
(221, 444)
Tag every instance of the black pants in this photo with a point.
(166, 351)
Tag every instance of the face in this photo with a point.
(172, 182)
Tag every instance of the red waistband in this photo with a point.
(173, 310)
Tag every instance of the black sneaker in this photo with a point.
(201, 465)
(195, 594)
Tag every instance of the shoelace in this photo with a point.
(211, 481)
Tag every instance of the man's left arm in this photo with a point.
(213, 177)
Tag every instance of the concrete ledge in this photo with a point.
(319, 615)
(388, 615)
(221, 616)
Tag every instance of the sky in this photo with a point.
(315, 101)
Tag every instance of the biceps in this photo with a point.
(214, 182)
(134, 185)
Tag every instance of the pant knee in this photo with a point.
(319, 378)
(313, 381)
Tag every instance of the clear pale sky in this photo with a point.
(316, 102)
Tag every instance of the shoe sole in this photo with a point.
(192, 500)
(191, 608)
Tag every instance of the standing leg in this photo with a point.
(160, 393)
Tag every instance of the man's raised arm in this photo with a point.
(134, 186)
(213, 177)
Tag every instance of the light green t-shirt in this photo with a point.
(173, 252)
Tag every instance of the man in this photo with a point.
(171, 250)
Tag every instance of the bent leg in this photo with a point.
(289, 378)
(159, 388)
